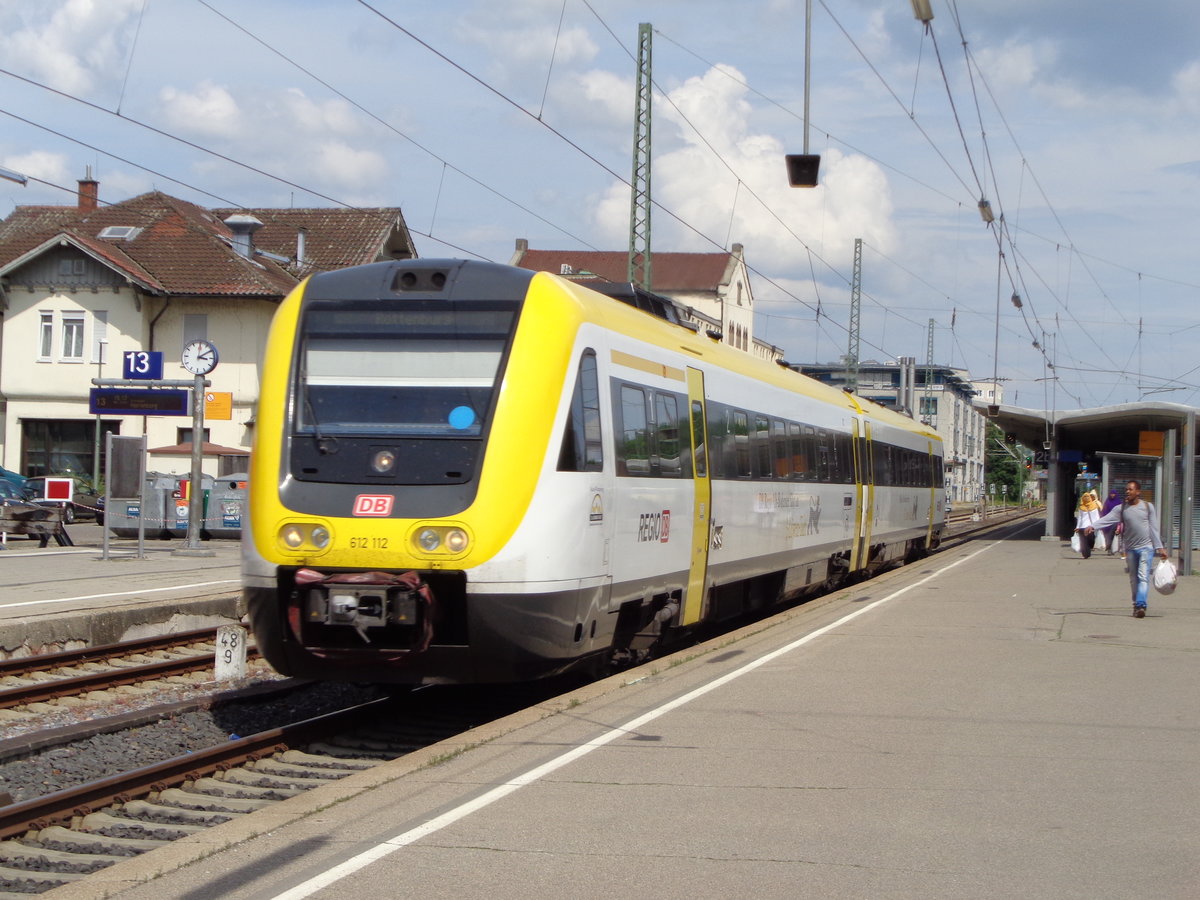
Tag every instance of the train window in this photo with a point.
(699, 438)
(583, 445)
(667, 429)
(799, 456)
(824, 456)
(741, 443)
(403, 369)
(633, 451)
(762, 447)
(779, 446)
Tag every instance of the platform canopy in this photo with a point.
(1113, 429)
(1067, 437)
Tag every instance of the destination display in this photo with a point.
(138, 402)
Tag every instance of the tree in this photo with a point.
(1005, 464)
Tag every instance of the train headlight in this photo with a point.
(301, 537)
(383, 461)
(456, 540)
(446, 540)
(428, 539)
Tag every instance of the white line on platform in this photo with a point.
(391, 845)
(177, 587)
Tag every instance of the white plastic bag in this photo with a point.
(1165, 577)
(1076, 544)
(1101, 545)
(1116, 547)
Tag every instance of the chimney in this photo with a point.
(243, 228)
(89, 192)
(301, 234)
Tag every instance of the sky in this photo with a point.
(486, 123)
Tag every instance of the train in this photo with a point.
(467, 472)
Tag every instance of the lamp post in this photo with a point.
(101, 346)
(802, 167)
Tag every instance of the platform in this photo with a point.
(55, 597)
(991, 722)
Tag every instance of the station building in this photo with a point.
(82, 285)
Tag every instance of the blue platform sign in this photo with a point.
(136, 401)
(142, 365)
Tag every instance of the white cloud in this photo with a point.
(209, 109)
(348, 166)
(52, 167)
(71, 46)
(743, 196)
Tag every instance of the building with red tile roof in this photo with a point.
(82, 285)
(712, 289)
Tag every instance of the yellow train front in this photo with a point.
(468, 472)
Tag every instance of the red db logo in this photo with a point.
(373, 505)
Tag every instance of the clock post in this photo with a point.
(196, 496)
(199, 358)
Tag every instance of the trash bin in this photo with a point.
(122, 515)
(225, 506)
(179, 504)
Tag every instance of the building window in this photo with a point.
(46, 336)
(72, 337)
(184, 436)
(195, 328)
(929, 406)
(99, 336)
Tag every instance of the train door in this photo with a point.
(864, 467)
(693, 606)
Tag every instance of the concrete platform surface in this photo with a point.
(991, 722)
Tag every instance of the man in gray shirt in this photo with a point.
(1139, 539)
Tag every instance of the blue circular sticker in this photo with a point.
(462, 417)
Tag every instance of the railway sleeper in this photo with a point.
(22, 856)
(164, 814)
(180, 798)
(17, 882)
(289, 787)
(57, 837)
(305, 773)
(113, 826)
(234, 789)
(319, 761)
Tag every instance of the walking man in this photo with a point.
(1139, 539)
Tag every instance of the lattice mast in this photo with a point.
(855, 320)
(639, 209)
(927, 401)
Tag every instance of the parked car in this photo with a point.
(84, 504)
(10, 492)
(16, 479)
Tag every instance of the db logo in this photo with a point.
(373, 505)
(666, 526)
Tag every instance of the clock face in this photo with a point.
(199, 357)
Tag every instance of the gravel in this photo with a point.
(183, 732)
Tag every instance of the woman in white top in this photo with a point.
(1086, 517)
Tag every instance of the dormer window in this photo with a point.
(120, 232)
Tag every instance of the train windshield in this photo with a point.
(418, 369)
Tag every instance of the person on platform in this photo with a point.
(1086, 517)
(1111, 502)
(1139, 539)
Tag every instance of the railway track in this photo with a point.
(71, 673)
(59, 838)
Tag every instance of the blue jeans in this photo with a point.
(1139, 574)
